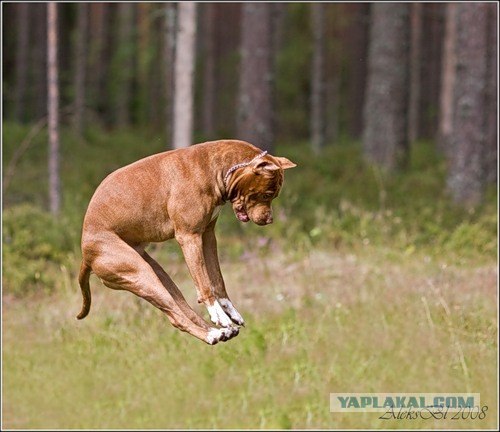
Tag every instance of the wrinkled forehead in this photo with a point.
(262, 183)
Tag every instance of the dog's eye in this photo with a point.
(267, 196)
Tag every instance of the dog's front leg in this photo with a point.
(192, 248)
(215, 275)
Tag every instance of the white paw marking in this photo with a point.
(231, 311)
(213, 336)
(221, 334)
(217, 315)
(230, 332)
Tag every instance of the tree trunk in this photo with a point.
(124, 64)
(447, 79)
(227, 50)
(357, 52)
(80, 67)
(169, 62)
(156, 73)
(255, 117)
(415, 65)
(39, 59)
(53, 109)
(21, 61)
(144, 59)
(318, 88)
(491, 98)
(432, 40)
(184, 75)
(466, 176)
(385, 137)
(434, 89)
(208, 108)
(98, 58)
(279, 14)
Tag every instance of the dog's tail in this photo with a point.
(83, 279)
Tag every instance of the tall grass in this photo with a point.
(126, 367)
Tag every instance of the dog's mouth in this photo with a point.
(242, 215)
(241, 212)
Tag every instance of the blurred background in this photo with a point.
(379, 273)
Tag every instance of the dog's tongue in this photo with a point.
(242, 216)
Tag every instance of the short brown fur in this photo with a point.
(169, 195)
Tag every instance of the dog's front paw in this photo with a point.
(228, 307)
(218, 316)
(221, 334)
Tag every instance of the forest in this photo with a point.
(382, 258)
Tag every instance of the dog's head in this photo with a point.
(254, 186)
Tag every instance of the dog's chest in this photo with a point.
(215, 213)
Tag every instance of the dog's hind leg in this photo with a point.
(120, 266)
(172, 288)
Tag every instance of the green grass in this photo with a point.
(365, 283)
(367, 331)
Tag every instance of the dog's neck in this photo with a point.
(241, 165)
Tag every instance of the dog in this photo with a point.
(177, 194)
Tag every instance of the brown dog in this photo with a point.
(177, 194)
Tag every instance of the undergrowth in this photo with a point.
(335, 201)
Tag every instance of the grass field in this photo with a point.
(364, 283)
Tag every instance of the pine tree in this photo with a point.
(466, 177)
(255, 117)
(385, 137)
(184, 75)
(80, 66)
(318, 119)
(53, 110)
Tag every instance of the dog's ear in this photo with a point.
(264, 167)
(285, 163)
